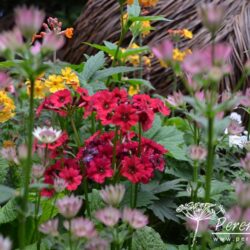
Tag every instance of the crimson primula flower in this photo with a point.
(61, 98)
(72, 177)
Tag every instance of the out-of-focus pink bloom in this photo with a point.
(113, 195)
(134, 218)
(69, 206)
(198, 153)
(234, 128)
(245, 163)
(192, 83)
(234, 214)
(176, 99)
(245, 100)
(164, 50)
(59, 184)
(9, 153)
(36, 48)
(50, 227)
(211, 15)
(200, 95)
(81, 227)
(11, 40)
(29, 20)
(201, 227)
(242, 191)
(6, 83)
(5, 243)
(109, 216)
(22, 151)
(52, 42)
(97, 244)
(38, 171)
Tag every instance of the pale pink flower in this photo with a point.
(164, 50)
(52, 42)
(22, 151)
(176, 99)
(50, 227)
(11, 40)
(211, 15)
(234, 214)
(29, 20)
(193, 225)
(245, 100)
(109, 216)
(36, 48)
(69, 206)
(97, 244)
(235, 128)
(113, 194)
(6, 83)
(5, 243)
(81, 227)
(9, 154)
(134, 218)
(198, 153)
(47, 135)
(59, 184)
(38, 171)
(242, 191)
(245, 163)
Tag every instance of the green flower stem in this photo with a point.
(195, 180)
(37, 219)
(70, 238)
(53, 207)
(85, 183)
(248, 128)
(27, 170)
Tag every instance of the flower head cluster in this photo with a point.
(144, 3)
(7, 107)
(97, 156)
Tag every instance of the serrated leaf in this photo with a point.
(147, 239)
(95, 200)
(135, 81)
(102, 74)
(6, 193)
(8, 212)
(49, 209)
(93, 64)
(169, 137)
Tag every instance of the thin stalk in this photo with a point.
(113, 165)
(77, 138)
(70, 238)
(27, 170)
(248, 128)
(93, 128)
(37, 219)
(53, 206)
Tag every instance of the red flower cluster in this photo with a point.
(66, 169)
(98, 151)
(115, 107)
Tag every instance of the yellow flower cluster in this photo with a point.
(133, 90)
(144, 3)
(179, 55)
(8, 144)
(185, 33)
(54, 83)
(7, 107)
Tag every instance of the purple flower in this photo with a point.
(134, 218)
(52, 42)
(198, 153)
(97, 244)
(11, 40)
(5, 243)
(109, 216)
(29, 20)
(69, 206)
(49, 227)
(81, 227)
(113, 195)
(211, 15)
(164, 50)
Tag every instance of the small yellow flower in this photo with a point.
(133, 90)
(7, 107)
(146, 27)
(8, 144)
(69, 32)
(187, 33)
(70, 77)
(134, 59)
(146, 61)
(55, 83)
(179, 55)
(40, 90)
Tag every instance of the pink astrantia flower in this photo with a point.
(81, 227)
(97, 244)
(198, 153)
(134, 218)
(29, 20)
(245, 163)
(52, 42)
(176, 99)
(164, 50)
(113, 195)
(50, 227)
(5, 243)
(109, 216)
(6, 82)
(11, 40)
(69, 206)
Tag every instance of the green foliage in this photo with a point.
(147, 239)
(4, 167)
(6, 193)
(8, 212)
(169, 137)
(95, 200)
